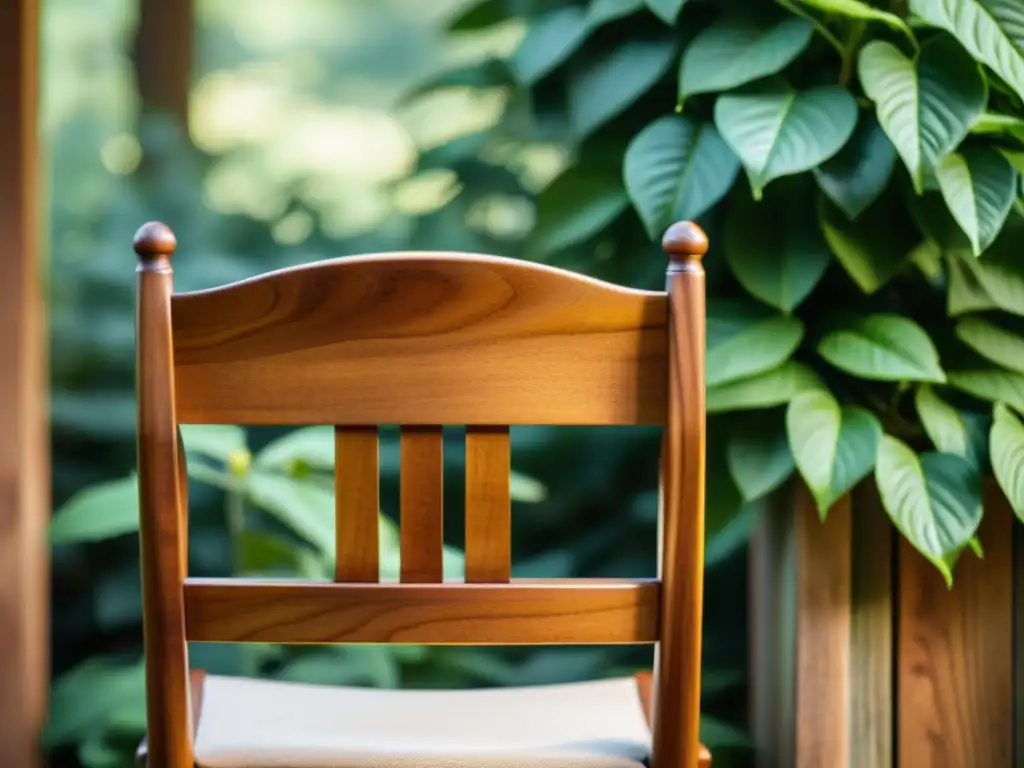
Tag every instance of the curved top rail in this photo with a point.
(414, 337)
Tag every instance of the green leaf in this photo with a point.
(927, 104)
(995, 123)
(305, 448)
(735, 51)
(603, 11)
(870, 249)
(765, 390)
(992, 30)
(883, 347)
(855, 177)
(526, 489)
(934, 500)
(551, 39)
(83, 699)
(305, 508)
(774, 251)
(1006, 448)
(666, 10)
(942, 422)
(760, 346)
(576, 206)
(834, 446)
(478, 16)
(215, 441)
(98, 512)
(855, 9)
(758, 456)
(966, 293)
(992, 342)
(992, 385)
(600, 88)
(780, 132)
(675, 170)
(719, 734)
(979, 186)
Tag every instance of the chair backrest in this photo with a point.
(422, 340)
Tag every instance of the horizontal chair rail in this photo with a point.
(524, 612)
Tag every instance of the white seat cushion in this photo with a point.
(245, 723)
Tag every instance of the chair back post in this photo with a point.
(676, 715)
(161, 507)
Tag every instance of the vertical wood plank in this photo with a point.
(24, 458)
(1018, 646)
(772, 579)
(871, 632)
(823, 633)
(163, 56)
(421, 504)
(488, 505)
(356, 504)
(955, 684)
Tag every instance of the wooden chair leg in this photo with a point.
(645, 689)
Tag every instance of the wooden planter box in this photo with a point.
(862, 658)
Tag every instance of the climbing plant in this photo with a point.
(857, 166)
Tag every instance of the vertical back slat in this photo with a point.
(422, 483)
(488, 505)
(357, 504)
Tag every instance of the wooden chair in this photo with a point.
(421, 340)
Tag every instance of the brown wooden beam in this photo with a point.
(163, 56)
(24, 461)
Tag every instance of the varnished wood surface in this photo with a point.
(676, 735)
(772, 633)
(161, 511)
(584, 611)
(421, 339)
(871, 632)
(823, 590)
(24, 448)
(645, 689)
(956, 664)
(357, 504)
(1018, 644)
(422, 505)
(488, 505)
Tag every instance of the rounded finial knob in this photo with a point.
(685, 242)
(153, 241)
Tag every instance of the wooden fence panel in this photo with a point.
(862, 658)
(955, 687)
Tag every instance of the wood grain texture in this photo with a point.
(488, 505)
(823, 591)
(1018, 643)
(676, 733)
(161, 510)
(24, 449)
(433, 338)
(871, 632)
(357, 504)
(422, 505)
(955, 683)
(584, 611)
(772, 615)
(645, 690)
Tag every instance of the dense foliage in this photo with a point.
(857, 166)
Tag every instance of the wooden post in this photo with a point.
(24, 463)
(163, 56)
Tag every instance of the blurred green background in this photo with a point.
(310, 137)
